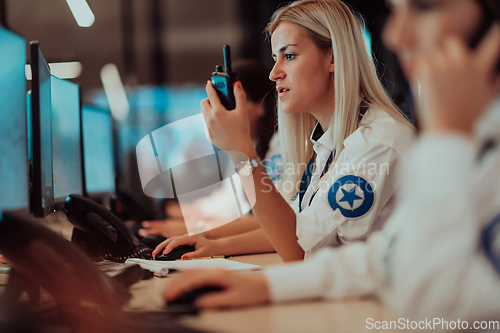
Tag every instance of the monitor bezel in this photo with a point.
(36, 195)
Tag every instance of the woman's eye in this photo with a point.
(425, 5)
(289, 56)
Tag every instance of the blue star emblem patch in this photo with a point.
(352, 195)
(491, 242)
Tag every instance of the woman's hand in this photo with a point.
(239, 289)
(457, 84)
(227, 130)
(204, 247)
(166, 228)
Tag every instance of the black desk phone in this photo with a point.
(40, 257)
(84, 298)
(99, 232)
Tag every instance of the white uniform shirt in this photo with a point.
(428, 261)
(375, 154)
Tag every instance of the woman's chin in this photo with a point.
(287, 110)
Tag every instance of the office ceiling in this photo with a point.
(151, 41)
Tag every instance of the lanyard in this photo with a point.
(306, 177)
(305, 181)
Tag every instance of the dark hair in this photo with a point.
(254, 77)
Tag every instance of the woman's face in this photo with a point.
(303, 74)
(418, 26)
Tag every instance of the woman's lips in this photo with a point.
(282, 91)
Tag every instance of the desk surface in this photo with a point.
(312, 316)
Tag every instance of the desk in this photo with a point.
(313, 316)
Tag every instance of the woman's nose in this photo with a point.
(276, 73)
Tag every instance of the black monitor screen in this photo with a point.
(98, 150)
(42, 195)
(13, 145)
(66, 144)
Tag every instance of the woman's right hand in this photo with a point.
(228, 130)
(203, 247)
(238, 288)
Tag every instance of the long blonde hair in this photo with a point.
(331, 26)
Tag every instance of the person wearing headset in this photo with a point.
(344, 143)
(438, 255)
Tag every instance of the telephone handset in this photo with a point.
(491, 13)
(118, 243)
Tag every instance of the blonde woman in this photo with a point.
(343, 141)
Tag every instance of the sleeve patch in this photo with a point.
(491, 242)
(352, 195)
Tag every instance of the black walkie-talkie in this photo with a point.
(223, 81)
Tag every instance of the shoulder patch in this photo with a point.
(491, 242)
(352, 195)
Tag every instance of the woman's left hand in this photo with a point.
(227, 130)
(238, 289)
(203, 247)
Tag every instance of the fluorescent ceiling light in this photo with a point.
(115, 92)
(82, 12)
(63, 70)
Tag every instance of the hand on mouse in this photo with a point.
(204, 247)
(239, 289)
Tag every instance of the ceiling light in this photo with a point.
(82, 12)
(63, 70)
(115, 92)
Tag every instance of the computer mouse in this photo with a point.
(184, 304)
(152, 241)
(176, 253)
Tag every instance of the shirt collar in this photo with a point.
(319, 138)
(487, 126)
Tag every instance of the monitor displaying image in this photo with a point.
(98, 150)
(13, 142)
(66, 139)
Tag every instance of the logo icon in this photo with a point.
(352, 195)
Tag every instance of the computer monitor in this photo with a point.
(13, 142)
(98, 151)
(42, 193)
(66, 140)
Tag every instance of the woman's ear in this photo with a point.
(332, 64)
